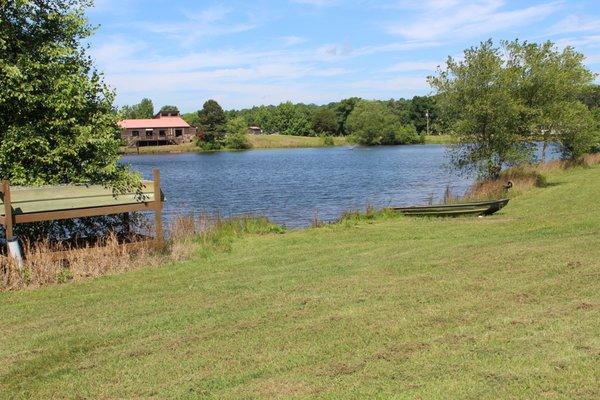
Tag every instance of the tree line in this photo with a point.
(365, 122)
(58, 123)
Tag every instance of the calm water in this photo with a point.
(290, 186)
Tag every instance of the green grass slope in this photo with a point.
(499, 307)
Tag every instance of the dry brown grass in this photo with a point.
(50, 263)
(524, 178)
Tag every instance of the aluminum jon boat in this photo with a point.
(454, 210)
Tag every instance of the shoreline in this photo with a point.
(262, 142)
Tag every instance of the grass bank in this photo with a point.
(498, 307)
(270, 142)
(440, 139)
(256, 141)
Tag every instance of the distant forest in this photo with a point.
(399, 121)
(310, 119)
(331, 119)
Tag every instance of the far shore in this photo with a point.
(267, 142)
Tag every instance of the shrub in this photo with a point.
(236, 137)
(208, 146)
(327, 140)
(407, 134)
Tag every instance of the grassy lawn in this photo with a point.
(287, 141)
(506, 306)
(440, 139)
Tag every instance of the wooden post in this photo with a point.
(157, 208)
(8, 216)
(126, 226)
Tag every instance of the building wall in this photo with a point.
(169, 137)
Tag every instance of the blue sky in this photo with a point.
(245, 53)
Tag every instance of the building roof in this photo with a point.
(162, 122)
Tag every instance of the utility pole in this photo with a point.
(427, 116)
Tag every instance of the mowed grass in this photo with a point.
(440, 139)
(289, 141)
(506, 306)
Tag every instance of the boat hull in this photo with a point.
(453, 210)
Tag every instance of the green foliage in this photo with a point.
(212, 121)
(312, 120)
(343, 110)
(402, 109)
(168, 108)
(420, 106)
(324, 121)
(591, 96)
(498, 96)
(550, 84)
(144, 109)
(209, 146)
(224, 232)
(407, 134)
(327, 140)
(372, 123)
(291, 119)
(237, 134)
(57, 122)
(191, 118)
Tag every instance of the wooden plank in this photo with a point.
(85, 212)
(48, 192)
(73, 204)
(35, 200)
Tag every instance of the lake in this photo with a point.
(291, 186)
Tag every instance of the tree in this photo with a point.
(480, 98)
(144, 109)
(57, 122)
(372, 123)
(420, 106)
(552, 83)
(212, 121)
(343, 110)
(325, 121)
(237, 134)
(169, 109)
(591, 97)
(191, 118)
(498, 96)
(402, 109)
(292, 119)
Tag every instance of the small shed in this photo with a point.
(255, 130)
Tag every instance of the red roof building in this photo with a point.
(165, 128)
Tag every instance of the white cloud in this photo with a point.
(318, 3)
(579, 42)
(410, 66)
(454, 19)
(576, 23)
(190, 27)
(292, 40)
